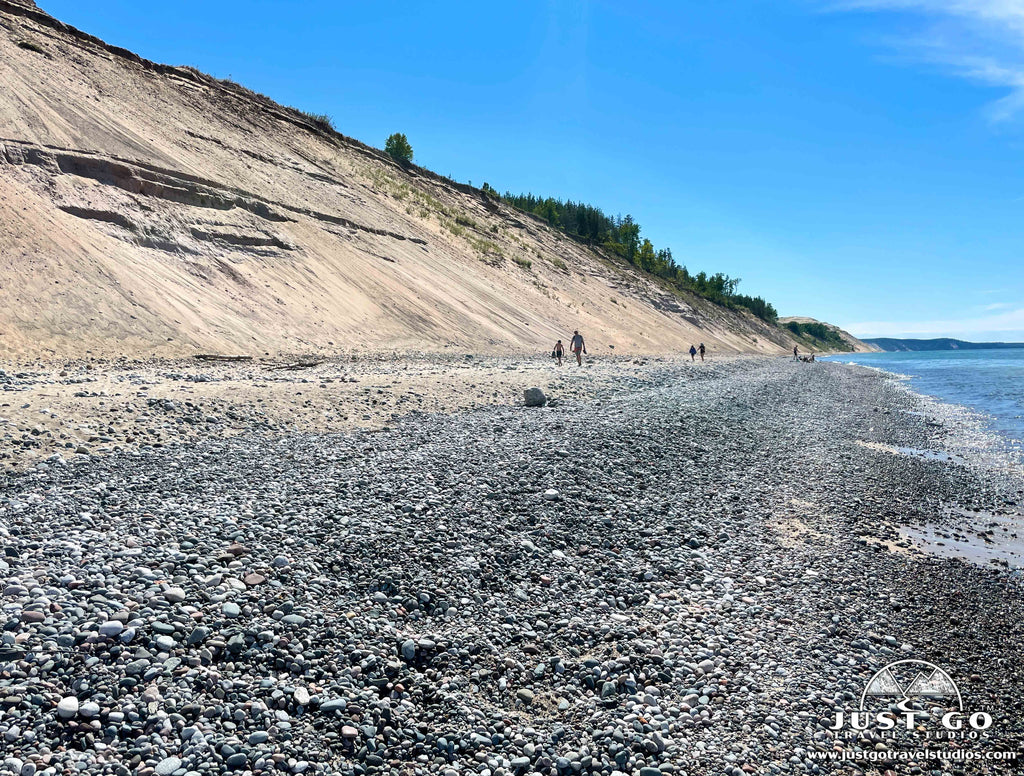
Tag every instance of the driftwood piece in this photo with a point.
(216, 357)
(297, 365)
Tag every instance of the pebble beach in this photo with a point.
(669, 570)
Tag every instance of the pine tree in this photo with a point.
(398, 148)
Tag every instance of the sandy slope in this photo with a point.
(150, 210)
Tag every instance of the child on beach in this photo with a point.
(558, 351)
(693, 353)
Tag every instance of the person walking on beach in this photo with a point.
(693, 353)
(577, 346)
(795, 356)
(701, 349)
(558, 351)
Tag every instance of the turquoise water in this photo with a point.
(989, 381)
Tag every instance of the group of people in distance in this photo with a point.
(576, 345)
(579, 349)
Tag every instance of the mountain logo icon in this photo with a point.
(907, 680)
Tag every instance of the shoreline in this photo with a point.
(696, 560)
(972, 440)
(1011, 433)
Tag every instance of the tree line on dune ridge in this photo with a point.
(590, 224)
(616, 234)
(621, 236)
(824, 335)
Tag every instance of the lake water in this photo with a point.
(989, 381)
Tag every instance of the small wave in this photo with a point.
(886, 372)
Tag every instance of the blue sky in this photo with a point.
(859, 162)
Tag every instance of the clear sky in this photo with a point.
(858, 162)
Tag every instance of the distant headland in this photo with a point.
(890, 344)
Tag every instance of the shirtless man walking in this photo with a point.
(576, 346)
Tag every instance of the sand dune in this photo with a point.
(151, 210)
